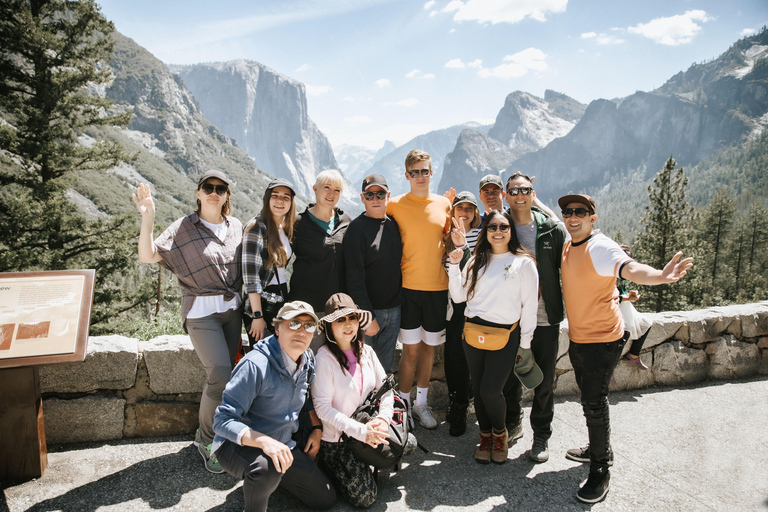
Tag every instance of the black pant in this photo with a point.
(544, 347)
(593, 365)
(455, 363)
(490, 370)
(260, 478)
(637, 344)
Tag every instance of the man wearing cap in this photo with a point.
(259, 415)
(491, 194)
(422, 217)
(590, 264)
(372, 254)
(540, 233)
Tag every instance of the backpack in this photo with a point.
(401, 441)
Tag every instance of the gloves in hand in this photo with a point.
(524, 361)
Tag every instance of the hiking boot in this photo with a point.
(500, 448)
(211, 462)
(514, 432)
(596, 486)
(423, 413)
(483, 452)
(539, 451)
(457, 419)
(582, 455)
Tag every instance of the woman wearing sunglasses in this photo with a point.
(500, 286)
(203, 251)
(266, 252)
(347, 371)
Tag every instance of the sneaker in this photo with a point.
(596, 486)
(514, 432)
(539, 451)
(211, 462)
(500, 448)
(636, 361)
(582, 455)
(483, 452)
(423, 413)
(457, 419)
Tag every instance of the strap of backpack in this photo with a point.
(389, 383)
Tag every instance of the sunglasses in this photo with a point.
(501, 227)
(580, 212)
(209, 188)
(415, 173)
(344, 319)
(379, 194)
(526, 191)
(308, 326)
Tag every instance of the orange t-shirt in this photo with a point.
(422, 222)
(589, 271)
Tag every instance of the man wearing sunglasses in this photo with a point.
(590, 264)
(259, 415)
(372, 253)
(543, 236)
(423, 218)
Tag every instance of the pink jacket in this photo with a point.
(336, 394)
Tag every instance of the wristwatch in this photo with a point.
(257, 314)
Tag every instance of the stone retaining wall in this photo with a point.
(129, 388)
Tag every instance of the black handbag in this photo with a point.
(401, 442)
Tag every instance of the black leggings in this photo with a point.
(489, 370)
(637, 344)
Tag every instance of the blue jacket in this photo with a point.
(262, 395)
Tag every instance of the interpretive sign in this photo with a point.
(44, 316)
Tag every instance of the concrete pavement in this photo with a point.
(700, 448)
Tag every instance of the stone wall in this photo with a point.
(131, 388)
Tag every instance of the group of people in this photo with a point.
(420, 267)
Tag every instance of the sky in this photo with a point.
(378, 70)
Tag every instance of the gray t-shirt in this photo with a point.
(526, 233)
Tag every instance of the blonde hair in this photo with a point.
(417, 155)
(330, 176)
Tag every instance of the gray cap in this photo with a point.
(296, 308)
(213, 173)
(465, 197)
(281, 182)
(491, 179)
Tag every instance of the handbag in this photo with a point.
(486, 337)
(401, 441)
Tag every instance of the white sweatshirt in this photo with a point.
(506, 291)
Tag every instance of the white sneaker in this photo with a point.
(423, 413)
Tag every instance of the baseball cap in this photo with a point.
(296, 308)
(584, 199)
(213, 173)
(465, 197)
(532, 378)
(281, 182)
(491, 179)
(375, 180)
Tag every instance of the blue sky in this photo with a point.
(379, 70)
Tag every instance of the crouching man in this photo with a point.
(259, 414)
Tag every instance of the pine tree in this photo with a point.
(54, 57)
(714, 222)
(666, 228)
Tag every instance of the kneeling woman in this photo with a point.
(500, 285)
(347, 371)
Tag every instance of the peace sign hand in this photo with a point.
(458, 235)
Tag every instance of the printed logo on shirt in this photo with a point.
(547, 245)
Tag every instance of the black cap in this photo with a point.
(577, 198)
(465, 197)
(213, 173)
(375, 180)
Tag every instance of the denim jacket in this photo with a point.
(263, 396)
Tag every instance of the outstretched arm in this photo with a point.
(145, 204)
(647, 275)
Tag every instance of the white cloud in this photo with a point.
(517, 65)
(747, 32)
(429, 5)
(428, 76)
(476, 64)
(383, 82)
(317, 90)
(455, 64)
(588, 35)
(674, 30)
(410, 102)
(301, 68)
(355, 120)
(608, 39)
(413, 74)
(348, 99)
(504, 11)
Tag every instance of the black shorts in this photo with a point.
(423, 316)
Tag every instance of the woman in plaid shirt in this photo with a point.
(203, 251)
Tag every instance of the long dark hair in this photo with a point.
(483, 249)
(276, 254)
(341, 357)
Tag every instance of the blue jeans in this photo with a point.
(593, 365)
(385, 341)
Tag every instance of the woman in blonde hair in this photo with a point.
(318, 271)
(266, 252)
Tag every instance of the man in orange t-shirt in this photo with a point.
(423, 218)
(590, 264)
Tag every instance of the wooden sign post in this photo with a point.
(44, 319)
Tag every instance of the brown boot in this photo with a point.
(500, 448)
(483, 452)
